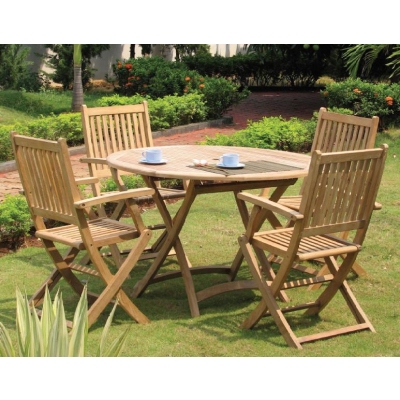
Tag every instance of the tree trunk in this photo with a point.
(132, 51)
(77, 94)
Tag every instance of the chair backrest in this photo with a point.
(340, 132)
(47, 178)
(341, 190)
(115, 128)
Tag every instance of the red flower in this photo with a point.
(389, 100)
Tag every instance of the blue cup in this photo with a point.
(229, 160)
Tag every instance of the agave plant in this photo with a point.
(49, 335)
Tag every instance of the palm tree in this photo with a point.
(77, 94)
(367, 59)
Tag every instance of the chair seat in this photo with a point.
(292, 202)
(278, 241)
(103, 230)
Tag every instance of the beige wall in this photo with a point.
(121, 52)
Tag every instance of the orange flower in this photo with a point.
(358, 91)
(128, 66)
(201, 79)
(389, 98)
(201, 86)
(144, 85)
(185, 90)
(326, 93)
(187, 79)
(138, 78)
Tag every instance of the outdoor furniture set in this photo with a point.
(326, 223)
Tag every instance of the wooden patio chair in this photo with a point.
(339, 195)
(339, 132)
(110, 129)
(52, 194)
(116, 128)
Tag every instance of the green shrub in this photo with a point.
(157, 78)
(166, 112)
(118, 100)
(15, 218)
(271, 133)
(220, 94)
(68, 126)
(130, 181)
(152, 76)
(366, 99)
(6, 152)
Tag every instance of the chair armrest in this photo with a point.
(93, 160)
(112, 197)
(86, 181)
(270, 205)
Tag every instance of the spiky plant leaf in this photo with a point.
(58, 338)
(47, 319)
(23, 325)
(117, 345)
(6, 347)
(79, 332)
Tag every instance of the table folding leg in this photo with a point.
(171, 239)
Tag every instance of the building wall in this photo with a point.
(116, 52)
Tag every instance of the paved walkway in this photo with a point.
(258, 105)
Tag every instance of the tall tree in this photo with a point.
(77, 93)
(61, 60)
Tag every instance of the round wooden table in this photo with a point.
(262, 169)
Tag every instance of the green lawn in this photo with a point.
(210, 236)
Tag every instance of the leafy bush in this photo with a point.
(366, 99)
(220, 94)
(152, 76)
(157, 78)
(15, 69)
(271, 133)
(49, 336)
(68, 126)
(15, 218)
(6, 152)
(166, 112)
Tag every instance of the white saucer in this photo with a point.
(163, 161)
(240, 165)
